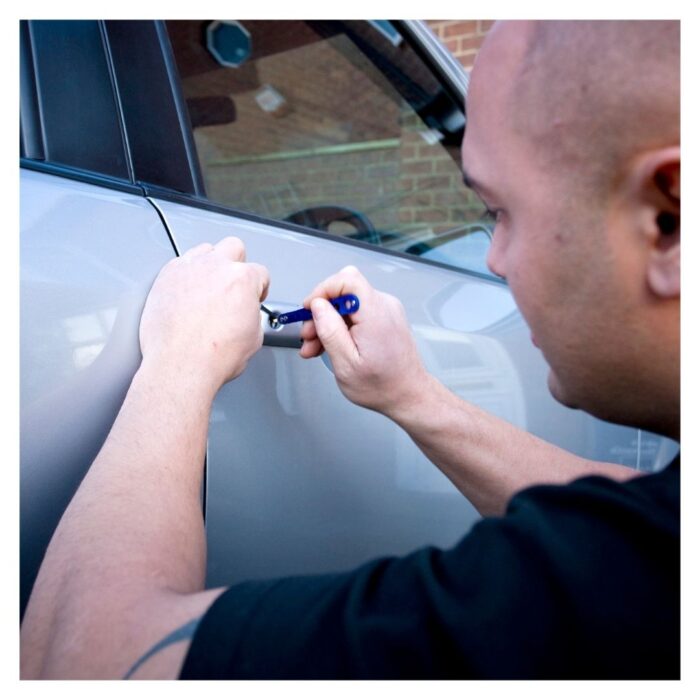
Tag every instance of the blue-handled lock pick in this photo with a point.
(344, 305)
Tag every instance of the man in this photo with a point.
(573, 144)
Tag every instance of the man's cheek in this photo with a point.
(523, 296)
(556, 389)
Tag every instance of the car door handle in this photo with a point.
(276, 319)
(278, 335)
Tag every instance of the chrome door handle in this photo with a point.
(278, 335)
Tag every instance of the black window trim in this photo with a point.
(183, 115)
(442, 63)
(33, 139)
(117, 101)
(184, 167)
(31, 122)
(89, 177)
(31, 132)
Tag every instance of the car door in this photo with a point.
(324, 144)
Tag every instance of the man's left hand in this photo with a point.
(202, 315)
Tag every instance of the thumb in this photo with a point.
(331, 329)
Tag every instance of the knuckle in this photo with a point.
(394, 302)
(252, 274)
(258, 270)
(350, 271)
(231, 248)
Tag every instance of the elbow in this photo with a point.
(71, 640)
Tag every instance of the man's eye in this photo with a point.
(490, 214)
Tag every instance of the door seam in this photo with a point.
(164, 221)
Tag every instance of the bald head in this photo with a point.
(591, 93)
(572, 141)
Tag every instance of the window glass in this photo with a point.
(334, 125)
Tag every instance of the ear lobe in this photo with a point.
(664, 263)
(664, 272)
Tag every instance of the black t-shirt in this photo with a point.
(575, 581)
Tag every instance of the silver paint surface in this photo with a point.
(88, 257)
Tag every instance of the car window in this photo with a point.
(338, 126)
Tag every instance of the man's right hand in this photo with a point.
(374, 356)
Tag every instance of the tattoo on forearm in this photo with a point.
(185, 632)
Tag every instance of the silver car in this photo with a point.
(320, 144)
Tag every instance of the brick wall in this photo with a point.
(436, 195)
(461, 37)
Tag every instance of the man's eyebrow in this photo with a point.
(480, 190)
(471, 183)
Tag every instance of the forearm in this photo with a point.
(487, 458)
(134, 527)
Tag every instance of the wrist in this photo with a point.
(177, 381)
(416, 397)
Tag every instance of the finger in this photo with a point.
(197, 250)
(332, 331)
(308, 330)
(262, 277)
(349, 280)
(233, 248)
(311, 348)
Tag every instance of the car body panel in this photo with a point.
(88, 256)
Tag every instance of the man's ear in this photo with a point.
(661, 202)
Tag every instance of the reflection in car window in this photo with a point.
(331, 125)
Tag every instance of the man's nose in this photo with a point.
(494, 258)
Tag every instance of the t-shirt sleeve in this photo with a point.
(553, 589)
